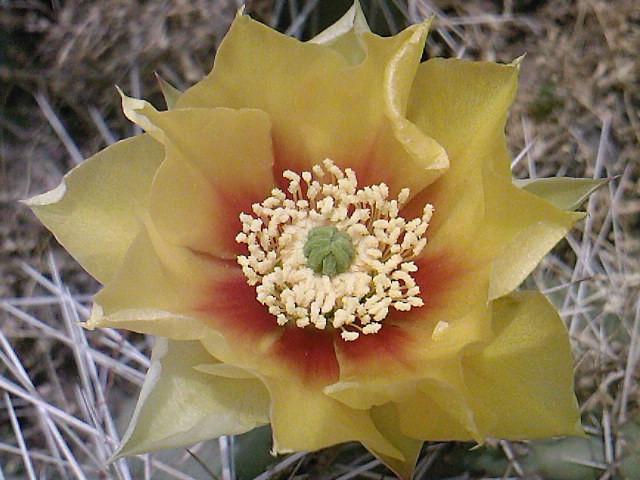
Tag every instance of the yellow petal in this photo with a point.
(523, 227)
(169, 92)
(302, 417)
(302, 85)
(363, 395)
(306, 419)
(524, 377)
(458, 212)
(563, 192)
(94, 213)
(265, 79)
(426, 159)
(138, 112)
(219, 162)
(156, 289)
(484, 218)
(463, 105)
(180, 406)
(201, 189)
(344, 36)
(224, 370)
(440, 412)
(523, 253)
(386, 420)
(152, 321)
(395, 383)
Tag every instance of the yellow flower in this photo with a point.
(325, 236)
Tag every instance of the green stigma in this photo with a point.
(328, 251)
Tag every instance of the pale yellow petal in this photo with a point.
(157, 289)
(564, 192)
(302, 86)
(151, 321)
(489, 222)
(169, 92)
(200, 191)
(396, 383)
(306, 419)
(94, 213)
(426, 159)
(519, 230)
(386, 420)
(524, 377)
(219, 163)
(439, 412)
(362, 395)
(179, 406)
(344, 36)
(523, 253)
(138, 112)
(224, 370)
(463, 105)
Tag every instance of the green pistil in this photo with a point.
(328, 251)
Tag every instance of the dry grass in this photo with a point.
(65, 393)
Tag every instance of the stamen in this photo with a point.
(328, 255)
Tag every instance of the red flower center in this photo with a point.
(377, 244)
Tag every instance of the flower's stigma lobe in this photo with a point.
(328, 251)
(329, 255)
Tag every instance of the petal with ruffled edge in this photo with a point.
(203, 186)
(519, 230)
(440, 412)
(458, 276)
(431, 398)
(475, 247)
(160, 285)
(452, 277)
(410, 345)
(455, 284)
(94, 213)
(463, 105)
(386, 420)
(179, 405)
(303, 418)
(527, 368)
(302, 85)
(564, 192)
(344, 36)
(458, 281)
(467, 118)
(423, 376)
(393, 385)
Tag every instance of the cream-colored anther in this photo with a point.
(379, 279)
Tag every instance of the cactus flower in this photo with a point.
(325, 236)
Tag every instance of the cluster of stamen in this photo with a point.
(357, 299)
